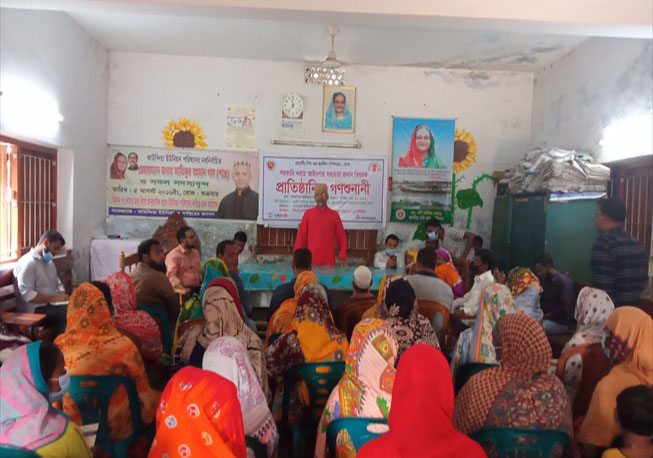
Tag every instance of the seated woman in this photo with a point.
(313, 338)
(420, 417)
(224, 317)
(199, 415)
(628, 340)
(135, 322)
(520, 393)
(475, 344)
(32, 378)
(378, 310)
(280, 320)
(593, 308)
(447, 272)
(365, 389)
(408, 326)
(227, 357)
(92, 345)
(526, 289)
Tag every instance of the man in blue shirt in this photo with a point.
(619, 264)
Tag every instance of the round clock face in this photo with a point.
(292, 105)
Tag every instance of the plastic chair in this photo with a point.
(92, 394)
(7, 451)
(259, 449)
(357, 429)
(430, 309)
(466, 371)
(159, 313)
(320, 378)
(522, 442)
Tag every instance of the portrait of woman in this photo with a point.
(118, 166)
(421, 151)
(339, 105)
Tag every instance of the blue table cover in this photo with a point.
(262, 277)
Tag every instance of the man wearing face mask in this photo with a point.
(388, 258)
(320, 228)
(456, 241)
(37, 285)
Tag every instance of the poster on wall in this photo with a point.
(357, 189)
(422, 164)
(241, 128)
(196, 184)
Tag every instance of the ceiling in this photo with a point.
(203, 28)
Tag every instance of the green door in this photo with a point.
(527, 229)
(500, 243)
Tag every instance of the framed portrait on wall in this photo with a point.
(339, 109)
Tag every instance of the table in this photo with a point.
(105, 255)
(266, 277)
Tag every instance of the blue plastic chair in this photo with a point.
(156, 311)
(92, 394)
(7, 451)
(259, 449)
(320, 379)
(357, 429)
(522, 442)
(466, 371)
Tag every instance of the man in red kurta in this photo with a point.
(319, 228)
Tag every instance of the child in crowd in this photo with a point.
(634, 414)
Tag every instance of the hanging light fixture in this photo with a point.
(329, 72)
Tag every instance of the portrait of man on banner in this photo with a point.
(242, 203)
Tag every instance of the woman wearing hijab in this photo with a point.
(379, 310)
(526, 289)
(135, 322)
(31, 379)
(93, 345)
(365, 389)
(280, 320)
(475, 345)
(404, 320)
(593, 308)
(199, 415)
(628, 340)
(519, 393)
(421, 152)
(338, 116)
(227, 357)
(118, 167)
(313, 338)
(224, 317)
(447, 272)
(420, 417)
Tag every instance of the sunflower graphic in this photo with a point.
(184, 133)
(464, 151)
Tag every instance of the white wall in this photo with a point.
(50, 51)
(146, 91)
(599, 82)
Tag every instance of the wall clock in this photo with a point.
(292, 105)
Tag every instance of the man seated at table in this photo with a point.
(389, 258)
(558, 297)
(245, 254)
(466, 307)
(302, 260)
(37, 285)
(183, 262)
(150, 281)
(227, 251)
(427, 285)
(361, 296)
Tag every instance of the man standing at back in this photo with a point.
(618, 260)
(319, 229)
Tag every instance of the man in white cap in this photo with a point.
(350, 311)
(319, 229)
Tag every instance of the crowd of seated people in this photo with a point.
(438, 386)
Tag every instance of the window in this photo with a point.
(28, 195)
